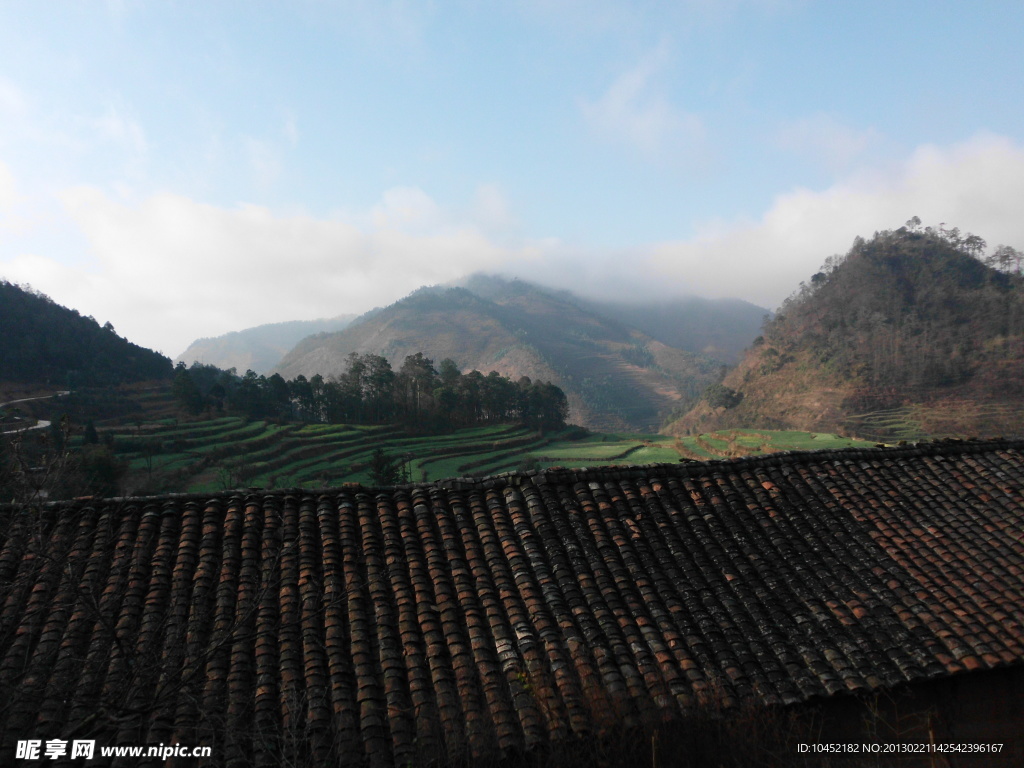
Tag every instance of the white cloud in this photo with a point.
(825, 140)
(976, 186)
(170, 269)
(635, 111)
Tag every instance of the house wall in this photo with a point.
(985, 707)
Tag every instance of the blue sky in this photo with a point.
(184, 169)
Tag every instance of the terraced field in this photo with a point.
(731, 443)
(944, 418)
(230, 452)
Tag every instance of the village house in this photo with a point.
(476, 621)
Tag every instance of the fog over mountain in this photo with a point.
(259, 348)
(614, 375)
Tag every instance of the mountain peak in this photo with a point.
(614, 375)
(910, 323)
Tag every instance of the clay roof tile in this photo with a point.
(457, 621)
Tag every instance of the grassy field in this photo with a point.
(230, 452)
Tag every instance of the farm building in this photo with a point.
(496, 621)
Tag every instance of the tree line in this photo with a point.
(418, 395)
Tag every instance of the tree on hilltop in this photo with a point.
(385, 469)
(1006, 259)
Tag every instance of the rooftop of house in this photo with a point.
(473, 617)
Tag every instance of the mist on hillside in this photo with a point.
(721, 328)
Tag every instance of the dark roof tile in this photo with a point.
(444, 623)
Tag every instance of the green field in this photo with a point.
(229, 452)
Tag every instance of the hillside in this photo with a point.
(258, 349)
(615, 376)
(910, 334)
(718, 328)
(43, 344)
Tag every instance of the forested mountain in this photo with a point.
(614, 376)
(45, 344)
(258, 349)
(718, 328)
(912, 331)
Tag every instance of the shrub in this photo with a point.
(721, 396)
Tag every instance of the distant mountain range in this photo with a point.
(909, 335)
(718, 328)
(615, 375)
(259, 348)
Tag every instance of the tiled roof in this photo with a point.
(467, 617)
